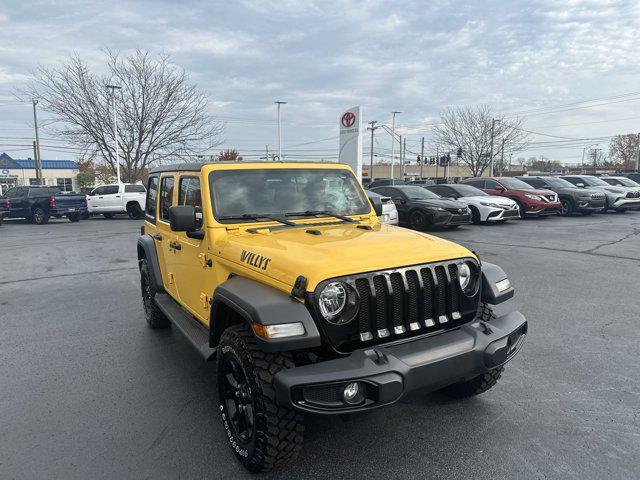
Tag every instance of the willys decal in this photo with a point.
(254, 260)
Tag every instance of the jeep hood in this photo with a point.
(344, 249)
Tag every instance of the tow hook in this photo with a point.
(486, 329)
(377, 356)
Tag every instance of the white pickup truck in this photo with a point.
(110, 200)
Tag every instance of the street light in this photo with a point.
(113, 89)
(493, 125)
(278, 102)
(393, 139)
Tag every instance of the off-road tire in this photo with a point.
(480, 383)
(276, 432)
(567, 207)
(39, 216)
(152, 313)
(134, 211)
(73, 217)
(418, 220)
(108, 215)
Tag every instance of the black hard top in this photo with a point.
(196, 167)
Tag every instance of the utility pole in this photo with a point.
(393, 139)
(401, 160)
(372, 128)
(493, 126)
(637, 151)
(421, 158)
(36, 151)
(437, 161)
(113, 89)
(279, 103)
(502, 157)
(595, 159)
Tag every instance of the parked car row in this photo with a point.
(498, 199)
(39, 203)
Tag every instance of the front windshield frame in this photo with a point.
(515, 183)
(361, 207)
(425, 194)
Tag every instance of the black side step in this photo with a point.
(196, 333)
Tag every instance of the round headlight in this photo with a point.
(332, 300)
(464, 275)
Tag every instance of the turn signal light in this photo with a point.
(278, 331)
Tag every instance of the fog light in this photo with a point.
(352, 393)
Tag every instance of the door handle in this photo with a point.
(175, 245)
(117, 196)
(158, 237)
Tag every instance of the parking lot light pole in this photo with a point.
(279, 103)
(493, 126)
(393, 139)
(113, 89)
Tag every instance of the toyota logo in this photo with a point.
(348, 119)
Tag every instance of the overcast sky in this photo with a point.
(324, 57)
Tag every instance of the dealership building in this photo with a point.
(56, 173)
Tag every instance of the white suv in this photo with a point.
(109, 200)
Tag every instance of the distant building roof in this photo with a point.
(7, 162)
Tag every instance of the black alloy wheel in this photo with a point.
(567, 207)
(39, 216)
(418, 220)
(237, 399)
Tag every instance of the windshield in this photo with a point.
(627, 182)
(515, 183)
(594, 181)
(558, 182)
(418, 193)
(277, 191)
(468, 191)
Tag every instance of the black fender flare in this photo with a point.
(491, 275)
(257, 303)
(147, 250)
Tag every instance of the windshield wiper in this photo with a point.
(315, 213)
(256, 216)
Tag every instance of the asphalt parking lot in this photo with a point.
(88, 391)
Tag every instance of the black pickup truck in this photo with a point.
(38, 203)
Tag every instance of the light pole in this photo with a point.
(393, 139)
(373, 129)
(279, 103)
(493, 126)
(113, 89)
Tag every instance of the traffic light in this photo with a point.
(419, 160)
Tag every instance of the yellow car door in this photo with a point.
(194, 275)
(166, 244)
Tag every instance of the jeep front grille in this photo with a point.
(400, 303)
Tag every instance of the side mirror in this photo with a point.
(377, 205)
(501, 189)
(182, 218)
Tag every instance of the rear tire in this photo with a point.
(73, 217)
(154, 316)
(108, 215)
(39, 216)
(262, 434)
(134, 211)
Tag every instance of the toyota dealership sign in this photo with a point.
(351, 140)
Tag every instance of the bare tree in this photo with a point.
(622, 149)
(160, 114)
(469, 129)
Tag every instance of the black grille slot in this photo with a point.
(397, 286)
(441, 292)
(364, 313)
(413, 300)
(427, 297)
(454, 300)
(380, 286)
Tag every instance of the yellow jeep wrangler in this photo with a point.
(283, 274)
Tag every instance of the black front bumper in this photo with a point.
(388, 373)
